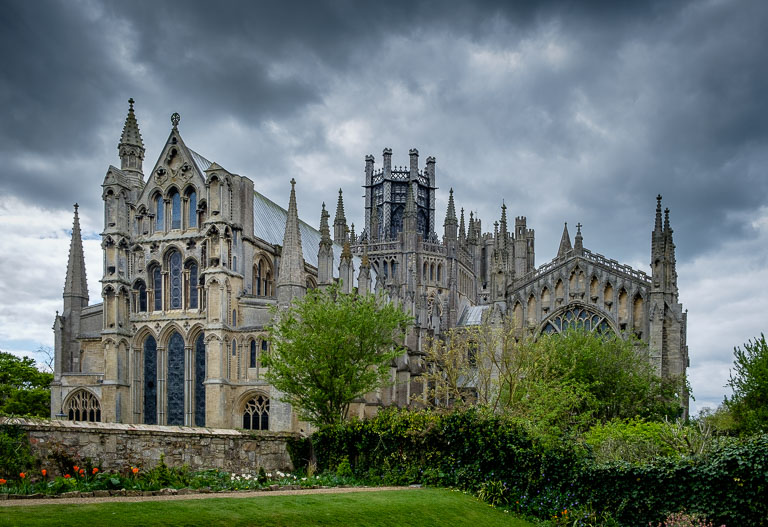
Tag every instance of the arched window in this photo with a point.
(396, 223)
(174, 268)
(141, 297)
(192, 294)
(175, 199)
(83, 406)
(252, 361)
(157, 288)
(192, 204)
(264, 351)
(432, 272)
(234, 317)
(176, 379)
(234, 263)
(577, 317)
(199, 380)
(439, 272)
(150, 376)
(159, 213)
(257, 280)
(256, 413)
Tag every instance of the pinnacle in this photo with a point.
(292, 259)
(340, 218)
(450, 215)
(131, 134)
(76, 284)
(565, 242)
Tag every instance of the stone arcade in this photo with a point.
(194, 257)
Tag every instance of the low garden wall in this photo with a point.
(114, 446)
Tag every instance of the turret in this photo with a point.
(364, 278)
(290, 281)
(131, 149)
(340, 222)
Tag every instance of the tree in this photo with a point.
(749, 381)
(24, 390)
(330, 348)
(551, 384)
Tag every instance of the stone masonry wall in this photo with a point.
(114, 446)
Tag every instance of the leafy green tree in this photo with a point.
(749, 381)
(24, 390)
(330, 348)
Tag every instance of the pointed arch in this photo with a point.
(546, 300)
(82, 405)
(149, 350)
(559, 291)
(623, 307)
(608, 296)
(577, 315)
(518, 314)
(594, 289)
(175, 379)
(531, 310)
(638, 315)
(254, 409)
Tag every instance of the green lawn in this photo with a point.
(417, 507)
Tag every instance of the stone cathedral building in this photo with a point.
(195, 257)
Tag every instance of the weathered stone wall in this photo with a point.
(113, 446)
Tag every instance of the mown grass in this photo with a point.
(416, 507)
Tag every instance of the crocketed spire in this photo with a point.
(131, 134)
(76, 284)
(565, 242)
(290, 282)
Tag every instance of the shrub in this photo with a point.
(15, 456)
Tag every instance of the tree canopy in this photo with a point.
(24, 390)
(749, 381)
(330, 348)
(552, 384)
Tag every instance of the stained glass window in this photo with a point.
(199, 380)
(142, 292)
(175, 272)
(192, 297)
(193, 209)
(176, 380)
(577, 317)
(256, 414)
(175, 210)
(157, 288)
(159, 213)
(150, 379)
(396, 225)
(252, 362)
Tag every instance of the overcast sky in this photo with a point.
(567, 111)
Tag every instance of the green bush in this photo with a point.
(495, 458)
(15, 456)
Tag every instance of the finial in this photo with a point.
(130, 102)
(578, 228)
(339, 192)
(175, 118)
(293, 183)
(76, 207)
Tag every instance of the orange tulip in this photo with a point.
(22, 475)
(44, 472)
(135, 470)
(76, 468)
(2, 481)
(95, 470)
(67, 476)
(82, 472)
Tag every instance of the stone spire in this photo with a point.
(503, 231)
(471, 238)
(76, 284)
(340, 222)
(290, 281)
(325, 251)
(131, 147)
(450, 224)
(450, 215)
(670, 258)
(565, 242)
(352, 235)
(462, 228)
(578, 245)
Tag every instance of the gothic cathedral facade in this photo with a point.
(195, 257)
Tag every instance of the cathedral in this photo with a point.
(195, 258)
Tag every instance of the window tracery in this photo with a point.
(83, 406)
(256, 413)
(579, 317)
